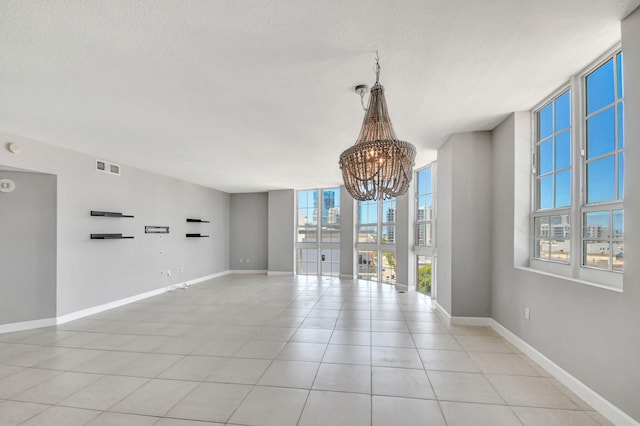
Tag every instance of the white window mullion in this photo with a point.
(578, 150)
(379, 240)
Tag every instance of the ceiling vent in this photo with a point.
(106, 167)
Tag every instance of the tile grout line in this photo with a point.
(324, 296)
(315, 375)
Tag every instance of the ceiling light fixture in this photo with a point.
(379, 165)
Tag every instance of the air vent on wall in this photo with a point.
(103, 166)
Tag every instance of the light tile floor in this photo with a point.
(258, 350)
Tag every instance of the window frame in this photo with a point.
(426, 248)
(319, 245)
(610, 205)
(550, 212)
(368, 224)
(431, 277)
(429, 251)
(378, 247)
(575, 269)
(551, 101)
(390, 225)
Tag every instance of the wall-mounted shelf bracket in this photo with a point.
(109, 237)
(108, 214)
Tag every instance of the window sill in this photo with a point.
(609, 287)
(427, 250)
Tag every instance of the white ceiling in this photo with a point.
(252, 95)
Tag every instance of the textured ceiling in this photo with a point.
(254, 95)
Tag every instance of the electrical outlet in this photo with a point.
(527, 313)
(169, 272)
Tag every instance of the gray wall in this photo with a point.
(464, 224)
(249, 228)
(591, 332)
(402, 239)
(511, 139)
(444, 225)
(28, 248)
(281, 230)
(471, 291)
(94, 272)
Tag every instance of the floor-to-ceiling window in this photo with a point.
(318, 232)
(376, 241)
(424, 247)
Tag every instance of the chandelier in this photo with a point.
(379, 165)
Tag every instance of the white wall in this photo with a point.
(95, 272)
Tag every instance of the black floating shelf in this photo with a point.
(197, 236)
(109, 237)
(197, 220)
(108, 214)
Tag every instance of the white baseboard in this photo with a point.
(248, 271)
(115, 304)
(27, 325)
(474, 321)
(603, 406)
(588, 395)
(47, 322)
(442, 312)
(401, 287)
(279, 273)
(207, 278)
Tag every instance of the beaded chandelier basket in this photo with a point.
(379, 165)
